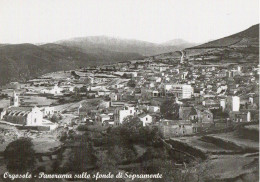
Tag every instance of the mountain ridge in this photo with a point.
(251, 35)
(178, 42)
(91, 44)
(239, 47)
(20, 62)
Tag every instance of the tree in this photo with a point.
(106, 164)
(131, 83)
(20, 156)
(83, 89)
(82, 157)
(132, 131)
(126, 75)
(132, 121)
(55, 118)
(75, 75)
(170, 110)
(76, 90)
(77, 93)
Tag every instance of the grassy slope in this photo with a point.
(249, 36)
(24, 61)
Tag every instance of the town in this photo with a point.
(206, 97)
(186, 102)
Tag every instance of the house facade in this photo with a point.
(121, 113)
(24, 116)
(146, 119)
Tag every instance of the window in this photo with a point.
(35, 120)
(146, 119)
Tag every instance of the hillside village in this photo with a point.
(186, 102)
(208, 97)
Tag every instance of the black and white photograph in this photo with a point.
(129, 90)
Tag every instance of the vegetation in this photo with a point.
(20, 156)
(170, 110)
(82, 157)
(109, 151)
(18, 60)
(55, 118)
(127, 76)
(252, 32)
(75, 75)
(3, 96)
(131, 83)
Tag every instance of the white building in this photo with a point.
(146, 119)
(182, 91)
(35, 117)
(24, 116)
(114, 97)
(48, 111)
(56, 90)
(222, 89)
(104, 104)
(223, 104)
(102, 117)
(14, 100)
(154, 109)
(121, 113)
(235, 103)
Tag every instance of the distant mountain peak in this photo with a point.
(107, 43)
(176, 42)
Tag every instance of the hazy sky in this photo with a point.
(150, 20)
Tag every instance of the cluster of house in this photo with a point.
(206, 95)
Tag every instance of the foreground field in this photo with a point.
(203, 145)
(231, 156)
(244, 137)
(231, 168)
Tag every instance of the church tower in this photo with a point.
(14, 100)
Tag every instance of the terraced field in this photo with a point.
(231, 156)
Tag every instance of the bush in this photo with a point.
(20, 156)
(82, 128)
(55, 118)
(170, 110)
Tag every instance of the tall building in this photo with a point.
(232, 103)
(181, 91)
(14, 100)
(235, 103)
(223, 104)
